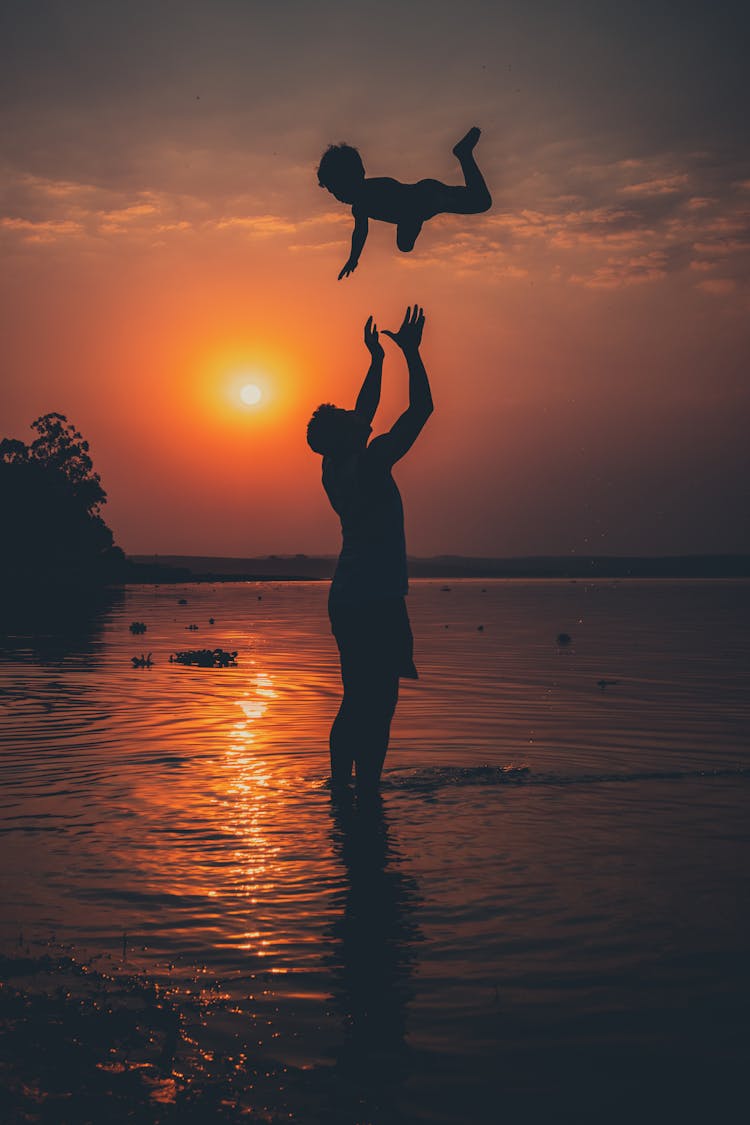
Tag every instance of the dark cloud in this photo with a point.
(95, 89)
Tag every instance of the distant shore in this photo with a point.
(300, 568)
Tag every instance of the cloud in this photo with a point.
(37, 211)
(118, 221)
(618, 274)
(722, 247)
(662, 185)
(266, 224)
(562, 215)
(43, 231)
(720, 286)
(257, 224)
(607, 225)
(54, 189)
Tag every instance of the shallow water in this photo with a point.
(550, 913)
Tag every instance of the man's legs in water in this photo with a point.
(361, 730)
(342, 742)
(382, 696)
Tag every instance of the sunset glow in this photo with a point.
(586, 338)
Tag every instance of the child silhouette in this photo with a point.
(342, 172)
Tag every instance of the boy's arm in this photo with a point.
(359, 237)
(405, 430)
(369, 395)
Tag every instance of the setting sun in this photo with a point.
(251, 394)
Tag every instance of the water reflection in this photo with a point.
(249, 799)
(50, 625)
(185, 807)
(371, 962)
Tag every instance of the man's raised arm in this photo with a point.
(407, 428)
(369, 396)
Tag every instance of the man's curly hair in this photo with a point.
(340, 166)
(324, 429)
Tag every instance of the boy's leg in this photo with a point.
(476, 189)
(407, 233)
(472, 199)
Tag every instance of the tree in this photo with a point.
(13, 452)
(50, 500)
(61, 447)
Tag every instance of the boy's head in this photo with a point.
(333, 431)
(341, 171)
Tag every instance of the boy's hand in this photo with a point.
(409, 335)
(350, 267)
(372, 343)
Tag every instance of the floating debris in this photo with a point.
(205, 658)
(182, 601)
(480, 628)
(137, 627)
(211, 621)
(445, 589)
(193, 628)
(564, 639)
(142, 661)
(602, 684)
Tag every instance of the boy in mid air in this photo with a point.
(342, 172)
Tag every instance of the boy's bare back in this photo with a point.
(384, 199)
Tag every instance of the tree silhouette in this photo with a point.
(59, 446)
(50, 500)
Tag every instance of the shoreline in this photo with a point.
(301, 568)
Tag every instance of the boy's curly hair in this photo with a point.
(340, 165)
(324, 429)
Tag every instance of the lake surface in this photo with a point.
(547, 920)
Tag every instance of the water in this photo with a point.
(549, 917)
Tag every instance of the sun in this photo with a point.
(251, 394)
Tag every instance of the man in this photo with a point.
(366, 603)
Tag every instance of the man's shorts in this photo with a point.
(374, 638)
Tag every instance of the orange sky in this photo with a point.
(587, 339)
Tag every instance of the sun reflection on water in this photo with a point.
(248, 795)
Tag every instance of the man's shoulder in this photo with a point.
(378, 454)
(376, 447)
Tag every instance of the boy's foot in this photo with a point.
(467, 143)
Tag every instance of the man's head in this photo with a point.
(334, 432)
(341, 171)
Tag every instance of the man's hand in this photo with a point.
(372, 343)
(350, 267)
(409, 335)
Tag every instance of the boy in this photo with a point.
(342, 172)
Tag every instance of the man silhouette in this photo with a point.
(366, 602)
